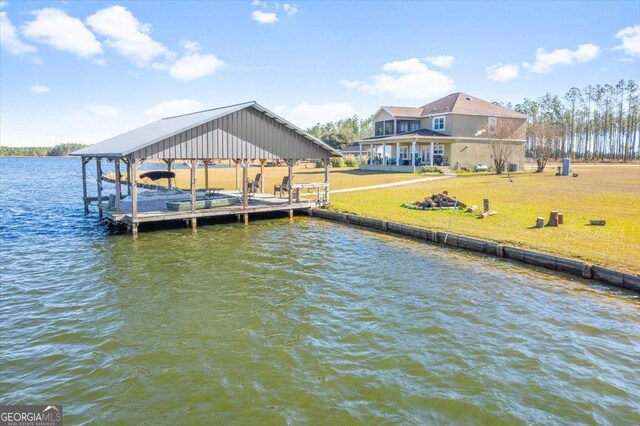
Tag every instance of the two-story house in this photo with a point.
(450, 131)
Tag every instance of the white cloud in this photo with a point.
(258, 3)
(9, 37)
(194, 65)
(408, 79)
(502, 73)
(3, 4)
(54, 27)
(441, 61)
(290, 9)
(306, 115)
(190, 45)
(175, 107)
(127, 36)
(545, 62)
(351, 84)
(409, 66)
(630, 38)
(39, 89)
(264, 17)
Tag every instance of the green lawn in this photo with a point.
(608, 192)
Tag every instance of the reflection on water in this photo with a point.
(293, 322)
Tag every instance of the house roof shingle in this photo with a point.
(404, 111)
(457, 103)
(410, 134)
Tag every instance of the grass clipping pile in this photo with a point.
(441, 201)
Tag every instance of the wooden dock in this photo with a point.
(155, 209)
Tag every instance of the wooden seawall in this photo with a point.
(555, 263)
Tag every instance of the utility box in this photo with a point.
(566, 167)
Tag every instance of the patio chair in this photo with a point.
(254, 185)
(285, 186)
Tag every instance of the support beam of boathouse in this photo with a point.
(84, 184)
(99, 184)
(194, 220)
(134, 198)
(118, 184)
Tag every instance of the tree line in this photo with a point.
(342, 133)
(594, 123)
(59, 150)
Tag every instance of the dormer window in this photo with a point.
(384, 128)
(388, 127)
(379, 128)
(438, 123)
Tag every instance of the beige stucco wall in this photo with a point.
(382, 116)
(468, 125)
(469, 153)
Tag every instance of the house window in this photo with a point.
(493, 122)
(408, 125)
(388, 127)
(379, 128)
(438, 123)
(438, 150)
(404, 152)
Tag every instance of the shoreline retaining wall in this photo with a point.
(555, 263)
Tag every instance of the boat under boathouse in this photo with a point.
(244, 134)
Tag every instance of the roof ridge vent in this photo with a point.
(469, 98)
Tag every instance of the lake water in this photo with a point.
(302, 322)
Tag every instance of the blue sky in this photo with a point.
(85, 71)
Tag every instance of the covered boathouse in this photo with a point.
(242, 133)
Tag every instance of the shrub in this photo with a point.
(337, 162)
(351, 161)
(429, 169)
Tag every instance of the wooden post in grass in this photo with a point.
(553, 218)
(560, 218)
(486, 205)
(540, 222)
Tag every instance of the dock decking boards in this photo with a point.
(155, 209)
